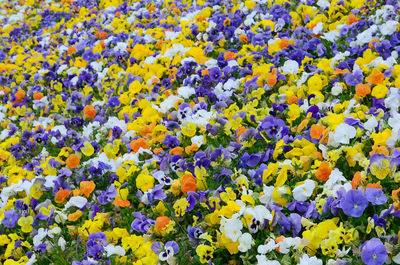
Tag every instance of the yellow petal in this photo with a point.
(87, 149)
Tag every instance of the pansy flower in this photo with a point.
(354, 203)
(373, 252)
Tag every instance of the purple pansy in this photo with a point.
(10, 219)
(215, 74)
(274, 127)
(108, 195)
(373, 252)
(375, 196)
(355, 78)
(354, 203)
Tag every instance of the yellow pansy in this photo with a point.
(205, 253)
(144, 182)
(189, 130)
(379, 91)
(180, 206)
(87, 149)
(26, 224)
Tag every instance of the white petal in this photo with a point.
(111, 250)
(77, 201)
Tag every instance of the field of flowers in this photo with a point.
(199, 132)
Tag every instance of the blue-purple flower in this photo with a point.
(375, 196)
(355, 78)
(274, 127)
(354, 203)
(108, 195)
(215, 74)
(373, 252)
(10, 219)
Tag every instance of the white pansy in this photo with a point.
(343, 133)
(233, 229)
(60, 217)
(340, 56)
(50, 181)
(249, 21)
(211, 63)
(245, 242)
(211, 25)
(285, 245)
(364, 37)
(62, 67)
(337, 89)
(324, 150)
(150, 60)
(62, 243)
(4, 134)
(97, 66)
(318, 28)
(267, 197)
(263, 249)
(306, 260)
(303, 78)
(112, 250)
(38, 238)
(77, 201)
(378, 61)
(198, 140)
(304, 191)
(262, 260)
(89, 129)
(188, 60)
(170, 35)
(371, 123)
(218, 89)
(331, 35)
(61, 129)
(260, 213)
(331, 262)
(388, 28)
(394, 120)
(201, 117)
(231, 84)
(352, 104)
(323, 4)
(168, 103)
(114, 121)
(290, 67)
(74, 80)
(335, 177)
(186, 91)
(392, 100)
(7, 192)
(53, 232)
(232, 63)
(2, 115)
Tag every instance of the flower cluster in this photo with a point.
(195, 132)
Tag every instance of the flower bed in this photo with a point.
(219, 132)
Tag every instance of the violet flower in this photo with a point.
(274, 127)
(373, 252)
(10, 219)
(353, 203)
(375, 196)
(354, 78)
(108, 195)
